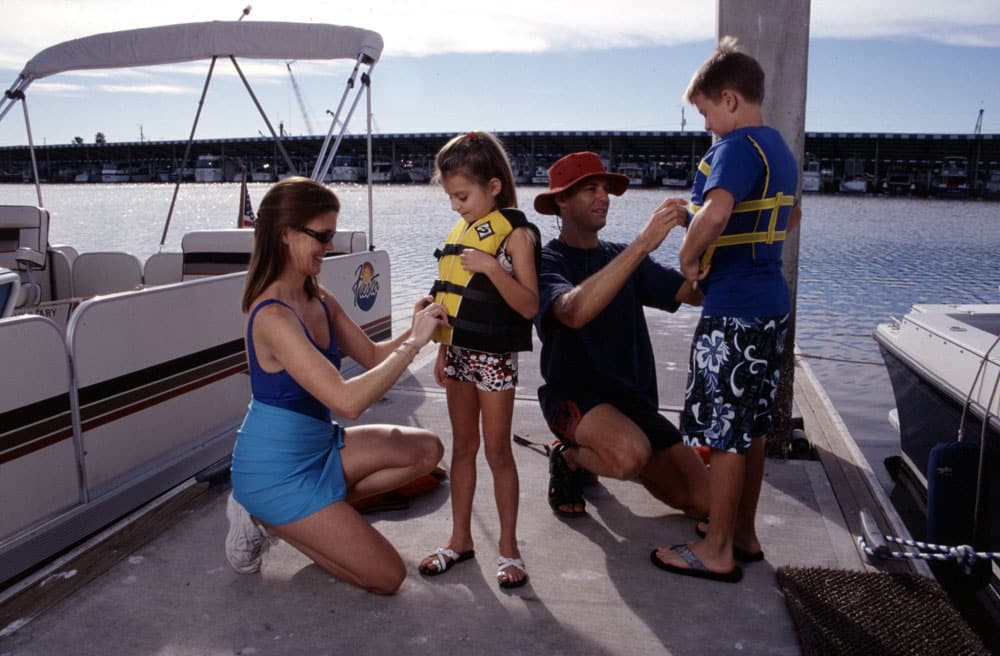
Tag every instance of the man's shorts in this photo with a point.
(564, 408)
(732, 377)
(491, 372)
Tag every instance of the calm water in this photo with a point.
(862, 260)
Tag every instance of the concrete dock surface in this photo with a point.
(592, 589)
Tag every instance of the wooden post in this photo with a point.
(776, 33)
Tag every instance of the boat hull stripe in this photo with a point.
(44, 423)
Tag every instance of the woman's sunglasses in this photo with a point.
(322, 236)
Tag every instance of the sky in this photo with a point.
(908, 66)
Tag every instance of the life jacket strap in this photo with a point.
(769, 236)
(449, 249)
(451, 288)
(489, 329)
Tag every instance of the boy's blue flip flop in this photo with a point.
(695, 567)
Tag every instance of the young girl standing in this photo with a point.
(488, 283)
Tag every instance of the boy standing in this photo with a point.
(743, 202)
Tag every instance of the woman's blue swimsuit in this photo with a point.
(286, 462)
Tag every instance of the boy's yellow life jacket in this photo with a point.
(479, 318)
(760, 205)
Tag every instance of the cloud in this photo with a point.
(429, 27)
(519, 26)
(57, 88)
(147, 88)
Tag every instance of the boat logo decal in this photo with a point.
(365, 286)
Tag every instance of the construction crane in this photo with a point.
(298, 95)
(979, 122)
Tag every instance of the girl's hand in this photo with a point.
(478, 261)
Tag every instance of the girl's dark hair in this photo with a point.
(729, 67)
(287, 205)
(480, 156)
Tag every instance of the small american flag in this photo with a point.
(246, 218)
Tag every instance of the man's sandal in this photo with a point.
(445, 559)
(503, 564)
(565, 485)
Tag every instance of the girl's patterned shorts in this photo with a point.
(732, 378)
(491, 372)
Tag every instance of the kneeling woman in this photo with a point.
(294, 469)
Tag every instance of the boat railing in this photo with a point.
(154, 401)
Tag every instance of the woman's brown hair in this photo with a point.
(287, 205)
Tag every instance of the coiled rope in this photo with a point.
(963, 555)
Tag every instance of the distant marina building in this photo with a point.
(944, 165)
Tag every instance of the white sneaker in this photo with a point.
(246, 542)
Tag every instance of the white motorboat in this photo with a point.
(262, 172)
(952, 180)
(382, 171)
(540, 176)
(633, 171)
(209, 168)
(944, 364)
(347, 169)
(123, 378)
(811, 178)
(114, 172)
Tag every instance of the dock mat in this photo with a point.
(845, 612)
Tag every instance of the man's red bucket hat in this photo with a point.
(570, 170)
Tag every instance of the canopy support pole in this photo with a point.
(267, 121)
(366, 80)
(187, 151)
(321, 158)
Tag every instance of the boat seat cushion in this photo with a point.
(105, 273)
(215, 252)
(23, 228)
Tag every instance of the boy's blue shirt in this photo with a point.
(746, 281)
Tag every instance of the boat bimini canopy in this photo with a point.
(171, 44)
(185, 42)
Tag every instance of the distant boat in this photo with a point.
(898, 184)
(346, 169)
(633, 172)
(139, 174)
(811, 177)
(208, 168)
(541, 175)
(854, 180)
(992, 187)
(262, 173)
(114, 172)
(382, 171)
(853, 186)
(89, 174)
(676, 177)
(415, 173)
(952, 180)
(522, 172)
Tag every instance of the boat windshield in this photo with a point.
(989, 323)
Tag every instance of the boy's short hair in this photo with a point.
(729, 67)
